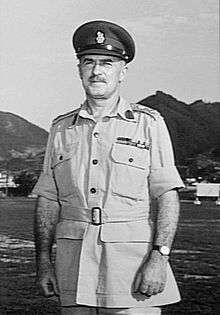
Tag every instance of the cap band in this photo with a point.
(108, 47)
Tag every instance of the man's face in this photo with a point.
(101, 75)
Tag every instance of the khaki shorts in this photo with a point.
(75, 310)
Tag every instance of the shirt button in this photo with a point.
(60, 157)
(131, 160)
(94, 161)
(93, 190)
(96, 134)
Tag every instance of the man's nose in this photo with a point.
(96, 69)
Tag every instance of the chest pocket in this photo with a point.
(62, 162)
(130, 171)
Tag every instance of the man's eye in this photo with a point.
(107, 63)
(87, 62)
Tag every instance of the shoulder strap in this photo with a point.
(146, 110)
(61, 117)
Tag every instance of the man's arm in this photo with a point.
(151, 276)
(167, 218)
(46, 218)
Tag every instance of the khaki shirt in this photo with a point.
(104, 175)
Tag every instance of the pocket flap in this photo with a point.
(130, 155)
(126, 232)
(71, 229)
(60, 157)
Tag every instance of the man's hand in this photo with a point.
(46, 280)
(151, 276)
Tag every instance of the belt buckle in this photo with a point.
(96, 216)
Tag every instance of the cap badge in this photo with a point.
(100, 37)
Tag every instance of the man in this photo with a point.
(105, 163)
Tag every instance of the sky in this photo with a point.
(177, 45)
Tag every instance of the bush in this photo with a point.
(25, 181)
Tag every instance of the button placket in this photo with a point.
(93, 185)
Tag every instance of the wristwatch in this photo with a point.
(163, 250)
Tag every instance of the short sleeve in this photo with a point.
(163, 172)
(45, 185)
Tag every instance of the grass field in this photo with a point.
(195, 260)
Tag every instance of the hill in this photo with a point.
(194, 128)
(21, 142)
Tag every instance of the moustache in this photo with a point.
(97, 79)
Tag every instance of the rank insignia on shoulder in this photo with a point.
(129, 114)
(146, 110)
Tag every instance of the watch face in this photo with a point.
(164, 250)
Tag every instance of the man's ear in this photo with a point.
(80, 71)
(123, 72)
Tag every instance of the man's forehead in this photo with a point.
(100, 57)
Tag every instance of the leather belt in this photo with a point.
(98, 216)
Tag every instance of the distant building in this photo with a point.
(6, 180)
